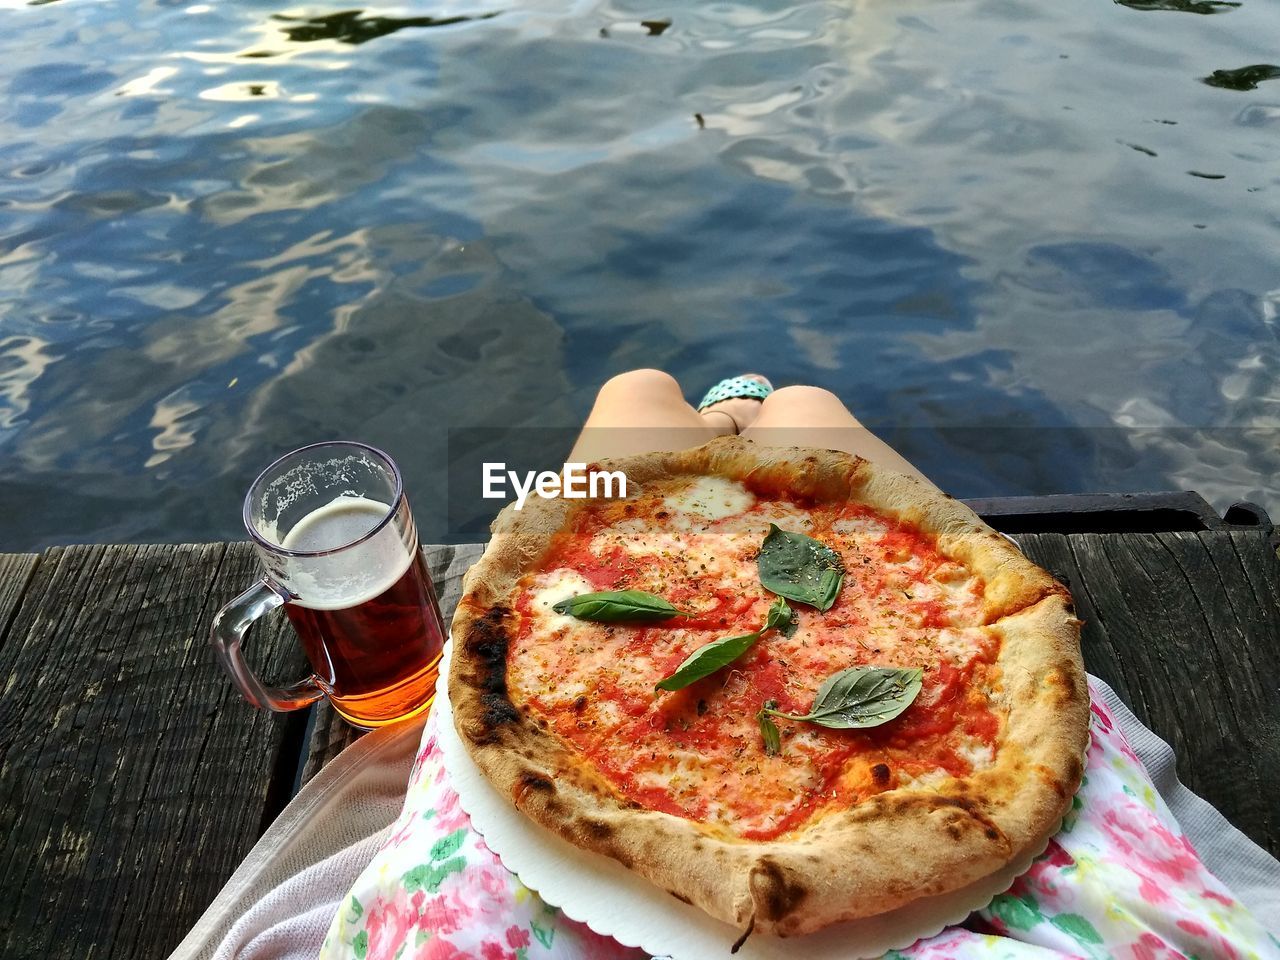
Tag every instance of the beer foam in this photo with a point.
(342, 520)
(352, 576)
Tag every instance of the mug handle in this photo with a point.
(228, 633)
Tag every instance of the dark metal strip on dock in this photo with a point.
(1184, 511)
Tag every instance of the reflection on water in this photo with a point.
(1244, 78)
(22, 361)
(1182, 6)
(355, 26)
(227, 230)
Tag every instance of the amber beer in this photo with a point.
(333, 530)
(377, 651)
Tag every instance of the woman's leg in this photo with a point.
(642, 411)
(813, 417)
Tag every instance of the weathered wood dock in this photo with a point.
(133, 779)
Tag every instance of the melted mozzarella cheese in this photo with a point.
(567, 665)
(868, 527)
(678, 769)
(960, 645)
(693, 555)
(552, 587)
(712, 498)
(716, 787)
(788, 516)
(979, 755)
(924, 781)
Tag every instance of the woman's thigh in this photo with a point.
(814, 417)
(639, 412)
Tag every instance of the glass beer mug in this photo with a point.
(333, 530)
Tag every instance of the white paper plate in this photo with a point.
(612, 900)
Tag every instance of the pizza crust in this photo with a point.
(886, 851)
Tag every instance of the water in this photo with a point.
(1008, 233)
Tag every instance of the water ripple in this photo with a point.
(229, 229)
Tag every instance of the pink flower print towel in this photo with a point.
(1119, 880)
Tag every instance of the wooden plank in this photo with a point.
(1206, 656)
(1185, 627)
(1241, 602)
(1101, 655)
(447, 563)
(1258, 558)
(132, 777)
(15, 574)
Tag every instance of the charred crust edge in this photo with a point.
(486, 644)
(774, 892)
(737, 944)
(974, 811)
(533, 781)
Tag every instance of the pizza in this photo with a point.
(828, 690)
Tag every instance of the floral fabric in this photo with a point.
(1119, 880)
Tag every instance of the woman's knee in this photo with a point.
(643, 381)
(805, 406)
(802, 395)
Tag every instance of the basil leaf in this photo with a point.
(863, 697)
(710, 657)
(707, 659)
(610, 606)
(779, 616)
(792, 624)
(769, 731)
(800, 568)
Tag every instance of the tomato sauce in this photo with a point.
(645, 741)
